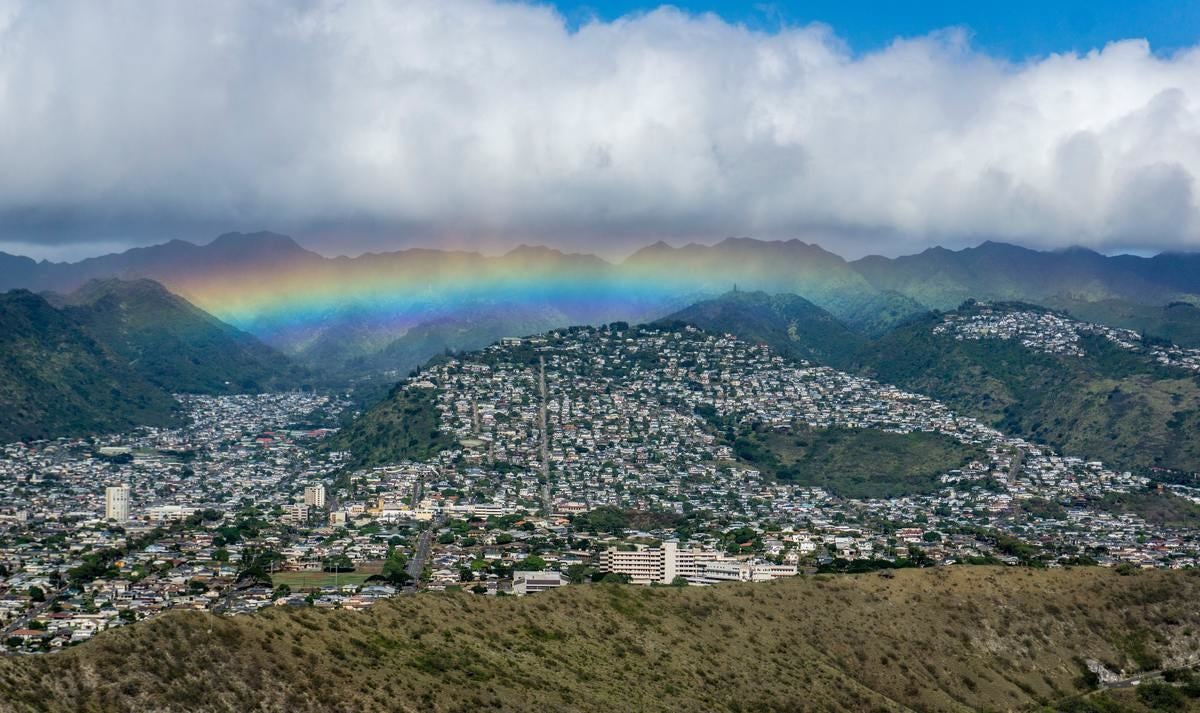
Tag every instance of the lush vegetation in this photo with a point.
(109, 357)
(855, 462)
(614, 520)
(792, 325)
(961, 638)
(1111, 404)
(56, 379)
(942, 279)
(402, 427)
(175, 345)
(1156, 507)
(1177, 322)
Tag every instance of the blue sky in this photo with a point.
(1016, 29)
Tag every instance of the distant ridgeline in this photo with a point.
(389, 312)
(109, 356)
(378, 316)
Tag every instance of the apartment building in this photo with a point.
(116, 503)
(314, 496)
(660, 565)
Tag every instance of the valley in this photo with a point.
(747, 440)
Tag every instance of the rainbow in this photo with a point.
(292, 301)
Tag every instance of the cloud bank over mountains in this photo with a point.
(475, 123)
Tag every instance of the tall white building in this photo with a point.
(314, 496)
(657, 564)
(116, 503)
(662, 565)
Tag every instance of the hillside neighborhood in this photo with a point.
(592, 454)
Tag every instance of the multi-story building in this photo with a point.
(295, 514)
(116, 503)
(314, 496)
(647, 565)
(533, 582)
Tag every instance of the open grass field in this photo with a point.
(300, 581)
(951, 639)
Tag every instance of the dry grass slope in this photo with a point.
(967, 638)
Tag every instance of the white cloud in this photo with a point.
(476, 120)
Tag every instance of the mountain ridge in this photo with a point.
(109, 356)
(290, 297)
(56, 379)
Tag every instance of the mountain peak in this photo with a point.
(260, 239)
(1077, 250)
(527, 251)
(99, 288)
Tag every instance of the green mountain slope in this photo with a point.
(1177, 322)
(473, 328)
(790, 266)
(1108, 404)
(942, 279)
(174, 344)
(56, 379)
(403, 426)
(855, 462)
(956, 639)
(791, 325)
(109, 356)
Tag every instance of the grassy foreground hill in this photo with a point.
(954, 639)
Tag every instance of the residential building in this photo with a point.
(314, 496)
(116, 503)
(533, 582)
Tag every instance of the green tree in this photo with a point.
(578, 573)
(395, 568)
(1161, 696)
(337, 563)
(531, 563)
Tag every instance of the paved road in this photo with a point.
(1128, 682)
(1135, 680)
(545, 447)
(420, 558)
(22, 621)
